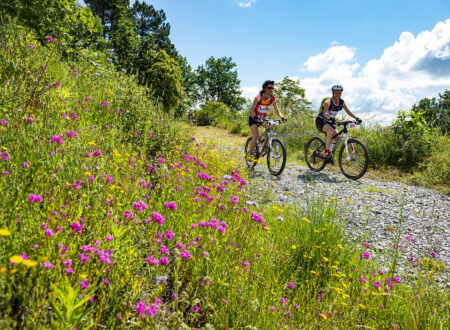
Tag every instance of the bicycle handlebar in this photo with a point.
(271, 122)
(344, 123)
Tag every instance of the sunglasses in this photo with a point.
(270, 87)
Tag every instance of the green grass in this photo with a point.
(378, 190)
(161, 230)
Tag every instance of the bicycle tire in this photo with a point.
(314, 162)
(362, 155)
(251, 163)
(275, 151)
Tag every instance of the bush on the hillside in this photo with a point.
(435, 170)
(210, 113)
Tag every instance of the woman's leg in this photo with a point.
(255, 134)
(330, 133)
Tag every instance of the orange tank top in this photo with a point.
(263, 107)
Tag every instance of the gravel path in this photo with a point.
(421, 215)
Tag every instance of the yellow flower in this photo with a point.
(87, 173)
(16, 259)
(44, 259)
(30, 263)
(5, 232)
(332, 197)
(349, 200)
(83, 275)
(92, 143)
(340, 246)
(323, 316)
(13, 271)
(2, 270)
(304, 219)
(293, 247)
(313, 272)
(362, 306)
(325, 258)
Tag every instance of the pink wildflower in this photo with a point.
(171, 205)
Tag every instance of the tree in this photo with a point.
(189, 79)
(443, 117)
(67, 21)
(290, 96)
(435, 112)
(217, 80)
(164, 80)
(124, 40)
(151, 22)
(107, 11)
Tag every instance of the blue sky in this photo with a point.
(320, 41)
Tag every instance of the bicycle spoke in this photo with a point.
(276, 157)
(313, 154)
(355, 163)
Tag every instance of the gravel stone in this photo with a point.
(389, 206)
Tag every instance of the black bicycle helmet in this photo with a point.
(337, 88)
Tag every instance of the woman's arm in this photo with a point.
(326, 106)
(277, 111)
(348, 111)
(252, 109)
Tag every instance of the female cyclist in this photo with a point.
(325, 121)
(260, 111)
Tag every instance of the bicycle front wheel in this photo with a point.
(353, 163)
(276, 157)
(314, 150)
(251, 160)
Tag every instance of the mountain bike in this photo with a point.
(353, 155)
(268, 145)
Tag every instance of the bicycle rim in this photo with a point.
(314, 150)
(276, 157)
(251, 160)
(355, 164)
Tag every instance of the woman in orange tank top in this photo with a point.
(260, 111)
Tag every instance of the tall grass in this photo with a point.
(115, 217)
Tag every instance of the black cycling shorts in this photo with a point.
(320, 123)
(251, 121)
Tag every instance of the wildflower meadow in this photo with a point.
(114, 216)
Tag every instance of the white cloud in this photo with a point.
(335, 55)
(412, 68)
(250, 92)
(246, 3)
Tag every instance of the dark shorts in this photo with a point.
(320, 123)
(251, 121)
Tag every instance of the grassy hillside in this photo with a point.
(115, 216)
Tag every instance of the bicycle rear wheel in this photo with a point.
(355, 164)
(251, 160)
(314, 150)
(276, 157)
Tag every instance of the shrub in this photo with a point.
(211, 112)
(435, 170)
